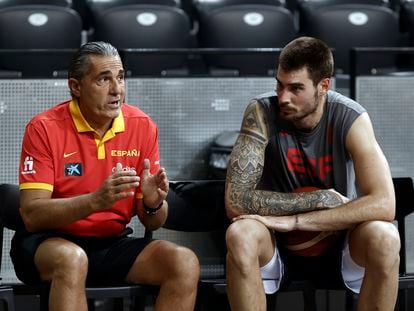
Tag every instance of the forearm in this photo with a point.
(366, 208)
(48, 213)
(268, 203)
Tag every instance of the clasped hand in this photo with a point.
(121, 183)
(277, 223)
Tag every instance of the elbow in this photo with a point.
(231, 211)
(388, 207)
(28, 221)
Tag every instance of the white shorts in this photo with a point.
(352, 274)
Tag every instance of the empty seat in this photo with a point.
(48, 28)
(96, 7)
(407, 19)
(320, 3)
(346, 26)
(246, 26)
(7, 3)
(407, 28)
(146, 27)
(203, 7)
(305, 7)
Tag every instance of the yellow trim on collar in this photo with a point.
(118, 125)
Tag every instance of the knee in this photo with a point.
(71, 263)
(242, 242)
(183, 264)
(382, 246)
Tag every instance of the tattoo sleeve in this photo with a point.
(245, 169)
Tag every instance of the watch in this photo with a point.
(152, 211)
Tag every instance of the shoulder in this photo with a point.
(336, 100)
(267, 99)
(56, 114)
(263, 103)
(135, 114)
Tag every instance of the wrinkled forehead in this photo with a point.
(104, 63)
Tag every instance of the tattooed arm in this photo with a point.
(245, 170)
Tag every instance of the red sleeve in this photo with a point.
(36, 164)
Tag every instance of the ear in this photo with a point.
(74, 86)
(324, 86)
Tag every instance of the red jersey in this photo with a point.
(63, 154)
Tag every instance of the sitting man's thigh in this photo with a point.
(161, 259)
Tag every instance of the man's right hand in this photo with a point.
(116, 187)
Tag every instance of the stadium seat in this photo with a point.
(407, 19)
(305, 7)
(97, 7)
(7, 3)
(246, 26)
(203, 7)
(319, 3)
(406, 15)
(147, 27)
(38, 40)
(404, 192)
(346, 26)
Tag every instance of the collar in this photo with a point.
(118, 124)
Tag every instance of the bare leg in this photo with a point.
(250, 246)
(375, 245)
(176, 269)
(65, 265)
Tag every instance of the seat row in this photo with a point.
(54, 31)
(89, 9)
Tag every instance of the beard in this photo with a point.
(299, 118)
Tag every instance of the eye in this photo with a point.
(295, 89)
(121, 79)
(102, 80)
(278, 87)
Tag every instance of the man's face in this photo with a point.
(300, 101)
(101, 92)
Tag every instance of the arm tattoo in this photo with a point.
(245, 170)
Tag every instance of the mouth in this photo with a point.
(285, 110)
(115, 104)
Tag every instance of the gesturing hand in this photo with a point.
(154, 187)
(114, 188)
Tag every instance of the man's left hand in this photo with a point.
(154, 186)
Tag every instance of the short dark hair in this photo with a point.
(80, 63)
(308, 52)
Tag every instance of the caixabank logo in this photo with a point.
(73, 169)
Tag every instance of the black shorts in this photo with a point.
(110, 259)
(324, 270)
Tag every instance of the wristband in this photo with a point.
(152, 211)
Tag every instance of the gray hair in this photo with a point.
(80, 63)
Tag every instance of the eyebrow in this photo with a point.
(107, 72)
(295, 84)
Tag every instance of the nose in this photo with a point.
(116, 87)
(283, 96)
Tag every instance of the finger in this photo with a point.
(242, 217)
(146, 168)
(118, 167)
